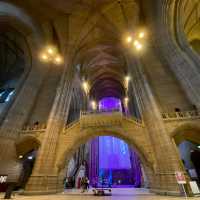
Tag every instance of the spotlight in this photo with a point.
(198, 146)
(20, 156)
(85, 86)
(127, 78)
(58, 60)
(129, 39)
(30, 157)
(141, 35)
(44, 57)
(136, 42)
(138, 46)
(50, 51)
(50, 54)
(94, 105)
(126, 99)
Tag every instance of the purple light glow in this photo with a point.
(110, 103)
(113, 153)
(111, 158)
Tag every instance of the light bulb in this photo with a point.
(136, 42)
(141, 35)
(58, 59)
(129, 39)
(44, 57)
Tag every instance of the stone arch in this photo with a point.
(179, 26)
(187, 131)
(70, 142)
(10, 10)
(26, 144)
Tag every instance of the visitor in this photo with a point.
(84, 184)
(87, 183)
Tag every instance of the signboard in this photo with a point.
(194, 187)
(180, 177)
(3, 178)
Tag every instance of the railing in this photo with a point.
(194, 114)
(41, 127)
(83, 113)
(34, 128)
(135, 119)
(71, 124)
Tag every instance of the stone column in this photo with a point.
(44, 178)
(167, 159)
(17, 116)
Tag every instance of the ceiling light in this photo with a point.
(126, 99)
(129, 39)
(58, 59)
(30, 157)
(50, 51)
(136, 42)
(141, 35)
(138, 46)
(44, 57)
(126, 102)
(127, 78)
(94, 105)
(85, 86)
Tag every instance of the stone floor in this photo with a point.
(117, 194)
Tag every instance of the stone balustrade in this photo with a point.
(39, 127)
(99, 118)
(194, 114)
(105, 117)
(94, 117)
(83, 113)
(71, 124)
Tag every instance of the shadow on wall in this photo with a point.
(195, 44)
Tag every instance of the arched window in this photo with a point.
(13, 51)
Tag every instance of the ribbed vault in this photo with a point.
(190, 16)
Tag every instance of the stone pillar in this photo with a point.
(17, 116)
(44, 178)
(167, 159)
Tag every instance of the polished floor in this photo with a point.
(117, 194)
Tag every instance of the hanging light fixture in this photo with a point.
(50, 54)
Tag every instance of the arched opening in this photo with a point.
(187, 140)
(108, 162)
(186, 23)
(108, 159)
(27, 149)
(15, 60)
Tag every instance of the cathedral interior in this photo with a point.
(106, 90)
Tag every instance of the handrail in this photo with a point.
(71, 124)
(82, 113)
(42, 127)
(34, 127)
(193, 114)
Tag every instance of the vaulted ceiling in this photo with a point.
(96, 30)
